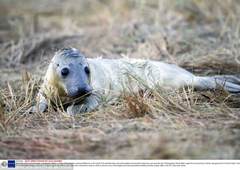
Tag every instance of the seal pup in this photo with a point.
(70, 75)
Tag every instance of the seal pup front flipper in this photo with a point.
(41, 105)
(89, 104)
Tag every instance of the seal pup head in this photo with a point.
(69, 73)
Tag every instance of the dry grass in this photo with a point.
(202, 36)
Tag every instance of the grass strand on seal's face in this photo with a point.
(72, 75)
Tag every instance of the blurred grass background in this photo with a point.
(157, 29)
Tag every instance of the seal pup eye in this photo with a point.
(87, 70)
(65, 72)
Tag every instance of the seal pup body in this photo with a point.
(71, 75)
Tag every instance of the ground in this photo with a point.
(201, 36)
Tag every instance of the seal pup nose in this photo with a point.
(84, 90)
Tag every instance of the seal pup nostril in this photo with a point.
(88, 89)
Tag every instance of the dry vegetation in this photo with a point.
(202, 36)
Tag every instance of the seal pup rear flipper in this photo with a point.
(227, 82)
